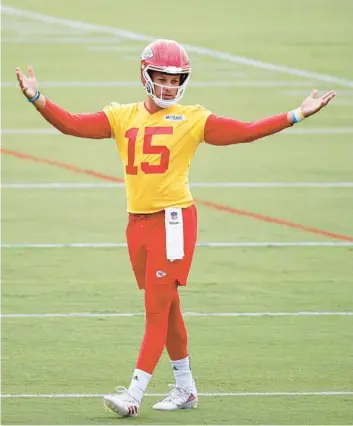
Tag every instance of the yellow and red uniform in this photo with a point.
(156, 150)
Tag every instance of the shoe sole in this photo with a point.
(119, 410)
(187, 406)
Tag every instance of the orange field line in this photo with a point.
(216, 206)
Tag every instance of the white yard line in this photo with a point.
(288, 132)
(206, 244)
(45, 131)
(59, 40)
(130, 35)
(185, 314)
(128, 49)
(319, 131)
(343, 102)
(195, 84)
(110, 185)
(340, 92)
(204, 394)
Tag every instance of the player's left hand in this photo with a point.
(313, 103)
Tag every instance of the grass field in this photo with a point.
(275, 343)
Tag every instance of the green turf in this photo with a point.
(236, 280)
(229, 354)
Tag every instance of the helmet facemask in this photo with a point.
(150, 85)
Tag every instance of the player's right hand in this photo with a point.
(28, 85)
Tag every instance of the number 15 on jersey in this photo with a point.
(147, 148)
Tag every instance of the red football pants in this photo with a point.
(164, 325)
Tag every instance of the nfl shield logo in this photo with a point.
(174, 215)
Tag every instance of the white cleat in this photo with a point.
(178, 399)
(123, 403)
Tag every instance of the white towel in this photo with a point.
(174, 231)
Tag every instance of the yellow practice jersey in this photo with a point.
(156, 150)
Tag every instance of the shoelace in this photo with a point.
(121, 390)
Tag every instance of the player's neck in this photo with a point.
(151, 106)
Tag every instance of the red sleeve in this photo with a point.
(92, 125)
(226, 131)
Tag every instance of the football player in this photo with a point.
(157, 139)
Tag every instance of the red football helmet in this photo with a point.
(169, 57)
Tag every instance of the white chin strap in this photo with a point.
(164, 103)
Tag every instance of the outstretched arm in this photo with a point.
(227, 131)
(90, 125)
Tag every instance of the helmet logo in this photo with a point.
(147, 53)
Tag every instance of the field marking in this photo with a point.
(206, 394)
(320, 131)
(61, 165)
(292, 92)
(209, 204)
(185, 314)
(59, 40)
(344, 102)
(290, 131)
(206, 244)
(195, 84)
(130, 35)
(126, 49)
(19, 132)
(273, 220)
(107, 185)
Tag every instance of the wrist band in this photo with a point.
(35, 97)
(297, 115)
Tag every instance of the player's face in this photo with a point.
(170, 83)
